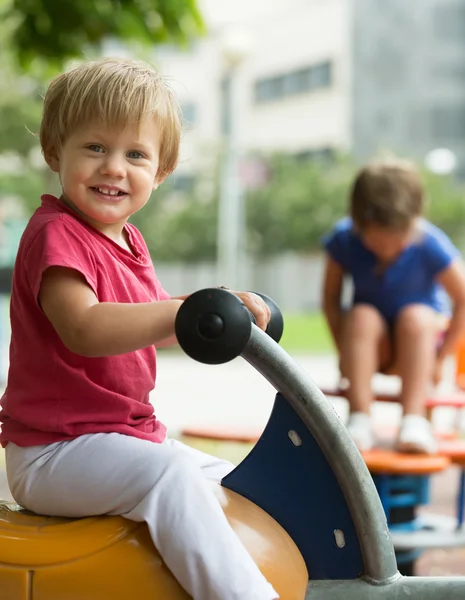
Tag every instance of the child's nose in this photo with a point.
(113, 165)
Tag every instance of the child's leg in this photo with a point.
(416, 332)
(213, 468)
(142, 481)
(365, 349)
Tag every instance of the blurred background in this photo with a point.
(282, 101)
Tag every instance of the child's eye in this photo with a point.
(95, 148)
(135, 154)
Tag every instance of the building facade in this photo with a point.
(318, 76)
(408, 84)
(293, 78)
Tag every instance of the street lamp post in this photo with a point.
(231, 210)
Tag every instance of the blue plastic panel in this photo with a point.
(297, 487)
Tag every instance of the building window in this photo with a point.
(295, 82)
(320, 76)
(269, 89)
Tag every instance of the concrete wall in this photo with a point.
(293, 281)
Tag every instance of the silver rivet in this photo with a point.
(339, 538)
(294, 437)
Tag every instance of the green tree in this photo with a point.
(54, 30)
(301, 201)
(446, 205)
(179, 227)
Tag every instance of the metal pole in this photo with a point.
(230, 213)
(348, 465)
(401, 588)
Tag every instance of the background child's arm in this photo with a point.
(90, 328)
(332, 291)
(453, 281)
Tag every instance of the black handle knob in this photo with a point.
(213, 326)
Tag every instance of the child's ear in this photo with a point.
(159, 179)
(52, 159)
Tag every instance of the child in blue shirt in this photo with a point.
(405, 273)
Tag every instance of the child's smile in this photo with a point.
(107, 175)
(109, 193)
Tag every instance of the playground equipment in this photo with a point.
(303, 501)
(107, 558)
(403, 483)
(449, 400)
(305, 453)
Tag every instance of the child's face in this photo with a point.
(385, 243)
(108, 175)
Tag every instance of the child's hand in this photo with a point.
(257, 307)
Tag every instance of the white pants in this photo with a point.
(164, 485)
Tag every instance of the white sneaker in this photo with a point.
(416, 435)
(359, 427)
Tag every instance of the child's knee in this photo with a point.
(365, 321)
(417, 320)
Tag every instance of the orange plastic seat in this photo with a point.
(451, 400)
(226, 434)
(105, 558)
(251, 435)
(454, 450)
(460, 364)
(389, 462)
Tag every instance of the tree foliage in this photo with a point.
(301, 200)
(179, 228)
(446, 206)
(55, 30)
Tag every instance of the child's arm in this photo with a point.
(332, 291)
(453, 281)
(92, 328)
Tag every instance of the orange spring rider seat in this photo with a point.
(106, 558)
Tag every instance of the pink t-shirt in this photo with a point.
(54, 394)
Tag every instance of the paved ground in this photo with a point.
(189, 393)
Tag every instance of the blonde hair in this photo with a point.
(387, 193)
(116, 92)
